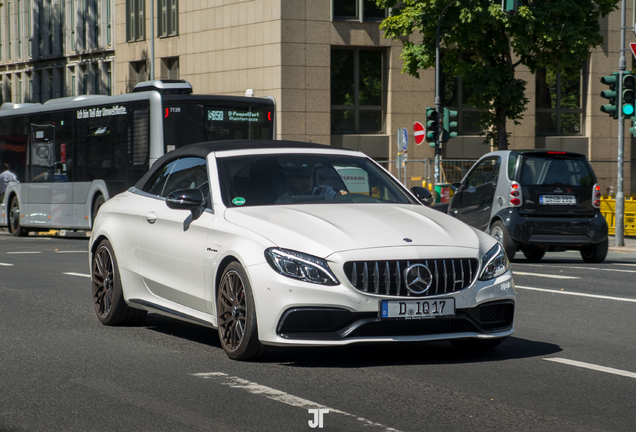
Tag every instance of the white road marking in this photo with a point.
(577, 294)
(625, 264)
(71, 251)
(77, 274)
(545, 275)
(22, 253)
(592, 367)
(586, 268)
(6, 265)
(283, 397)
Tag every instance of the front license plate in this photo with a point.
(557, 199)
(417, 309)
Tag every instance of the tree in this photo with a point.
(483, 45)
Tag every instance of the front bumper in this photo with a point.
(291, 312)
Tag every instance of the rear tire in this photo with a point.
(533, 253)
(14, 219)
(595, 253)
(236, 314)
(99, 201)
(499, 231)
(108, 295)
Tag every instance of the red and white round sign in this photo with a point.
(418, 133)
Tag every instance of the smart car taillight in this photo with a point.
(515, 194)
(596, 196)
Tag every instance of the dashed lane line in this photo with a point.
(77, 274)
(623, 299)
(281, 396)
(6, 265)
(23, 253)
(592, 367)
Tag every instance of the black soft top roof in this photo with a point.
(205, 148)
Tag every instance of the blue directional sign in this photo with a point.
(405, 139)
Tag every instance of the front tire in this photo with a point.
(14, 219)
(108, 296)
(595, 253)
(499, 231)
(236, 314)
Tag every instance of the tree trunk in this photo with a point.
(502, 137)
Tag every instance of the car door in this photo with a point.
(473, 202)
(172, 245)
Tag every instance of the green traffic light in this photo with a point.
(628, 109)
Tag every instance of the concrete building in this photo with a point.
(336, 80)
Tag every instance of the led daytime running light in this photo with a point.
(300, 266)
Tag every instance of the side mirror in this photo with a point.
(423, 194)
(186, 199)
(456, 186)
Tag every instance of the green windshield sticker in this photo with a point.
(238, 201)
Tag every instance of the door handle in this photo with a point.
(151, 217)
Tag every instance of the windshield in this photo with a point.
(188, 122)
(305, 178)
(551, 171)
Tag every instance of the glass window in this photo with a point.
(349, 10)
(357, 91)
(167, 17)
(187, 173)
(551, 171)
(558, 103)
(455, 94)
(485, 172)
(135, 20)
(301, 179)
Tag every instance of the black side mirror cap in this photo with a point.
(186, 199)
(456, 186)
(423, 194)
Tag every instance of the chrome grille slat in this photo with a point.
(388, 277)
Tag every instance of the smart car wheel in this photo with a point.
(14, 219)
(595, 253)
(500, 233)
(108, 297)
(533, 253)
(237, 315)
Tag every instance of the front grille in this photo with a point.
(388, 277)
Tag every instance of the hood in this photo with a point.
(325, 229)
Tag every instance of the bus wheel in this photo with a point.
(99, 201)
(14, 219)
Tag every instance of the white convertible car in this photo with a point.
(279, 243)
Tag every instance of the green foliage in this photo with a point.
(483, 45)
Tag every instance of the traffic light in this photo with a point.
(610, 94)
(432, 126)
(629, 94)
(632, 130)
(510, 6)
(448, 124)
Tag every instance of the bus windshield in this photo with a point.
(188, 122)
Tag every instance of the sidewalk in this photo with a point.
(630, 244)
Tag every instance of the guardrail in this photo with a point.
(608, 210)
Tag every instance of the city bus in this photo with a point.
(72, 154)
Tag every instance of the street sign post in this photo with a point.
(419, 133)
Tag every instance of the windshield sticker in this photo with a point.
(238, 201)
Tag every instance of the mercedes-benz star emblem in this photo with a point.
(418, 278)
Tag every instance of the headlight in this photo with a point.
(300, 266)
(494, 263)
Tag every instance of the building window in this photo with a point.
(108, 22)
(136, 74)
(170, 68)
(109, 82)
(558, 103)
(455, 94)
(9, 29)
(357, 10)
(19, 29)
(168, 17)
(73, 84)
(358, 96)
(135, 21)
(72, 20)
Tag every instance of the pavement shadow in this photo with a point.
(361, 354)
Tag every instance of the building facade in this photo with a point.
(55, 48)
(336, 80)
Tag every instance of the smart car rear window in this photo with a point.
(539, 170)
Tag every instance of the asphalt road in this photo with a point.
(571, 366)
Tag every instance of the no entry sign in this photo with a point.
(418, 133)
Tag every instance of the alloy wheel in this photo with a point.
(232, 313)
(103, 281)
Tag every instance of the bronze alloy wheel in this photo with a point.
(237, 315)
(103, 281)
(108, 296)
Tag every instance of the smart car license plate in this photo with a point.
(417, 309)
(557, 199)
